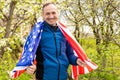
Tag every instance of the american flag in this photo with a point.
(30, 47)
(29, 50)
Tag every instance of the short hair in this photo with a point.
(46, 4)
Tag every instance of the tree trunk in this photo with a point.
(12, 7)
(7, 31)
(76, 32)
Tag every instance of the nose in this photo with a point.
(51, 16)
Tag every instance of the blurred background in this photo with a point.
(94, 23)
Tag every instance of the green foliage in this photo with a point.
(7, 64)
(108, 61)
(2, 32)
(10, 58)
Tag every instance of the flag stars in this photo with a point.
(41, 30)
(37, 25)
(23, 60)
(23, 56)
(27, 42)
(31, 56)
(34, 37)
(30, 49)
(38, 31)
(34, 42)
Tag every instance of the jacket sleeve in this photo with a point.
(70, 54)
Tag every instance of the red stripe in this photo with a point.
(35, 62)
(81, 70)
(74, 68)
(17, 73)
(89, 68)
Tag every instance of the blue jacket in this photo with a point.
(53, 55)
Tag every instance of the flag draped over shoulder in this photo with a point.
(76, 70)
(29, 50)
(31, 44)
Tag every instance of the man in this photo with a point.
(54, 53)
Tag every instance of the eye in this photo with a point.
(53, 13)
(47, 13)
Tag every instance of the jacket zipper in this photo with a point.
(57, 55)
(60, 48)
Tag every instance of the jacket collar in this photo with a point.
(50, 27)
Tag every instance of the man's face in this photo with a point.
(50, 14)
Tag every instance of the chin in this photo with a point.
(52, 23)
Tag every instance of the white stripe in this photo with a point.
(72, 74)
(19, 68)
(75, 53)
(86, 70)
(91, 65)
(17, 73)
(11, 74)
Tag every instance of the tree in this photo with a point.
(71, 11)
(102, 16)
(17, 15)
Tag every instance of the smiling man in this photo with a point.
(54, 53)
(50, 13)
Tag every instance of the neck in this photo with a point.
(54, 26)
